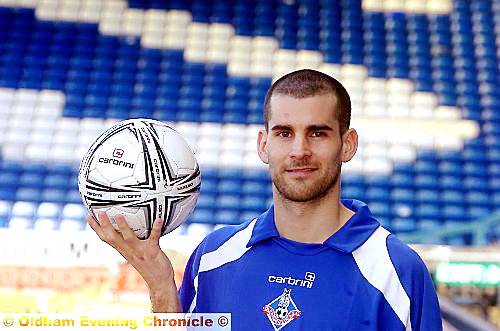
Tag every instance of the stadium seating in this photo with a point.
(70, 69)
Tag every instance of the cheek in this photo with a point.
(276, 156)
(330, 155)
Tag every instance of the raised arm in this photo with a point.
(145, 256)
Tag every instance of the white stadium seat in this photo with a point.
(210, 130)
(44, 124)
(231, 159)
(63, 154)
(5, 208)
(26, 110)
(93, 125)
(45, 224)
(47, 112)
(233, 131)
(24, 209)
(25, 96)
(252, 160)
(355, 165)
(68, 10)
(208, 158)
(74, 211)
(48, 210)
(132, 21)
(16, 137)
(402, 153)
(376, 166)
(7, 96)
(376, 150)
(233, 145)
(41, 137)
(67, 124)
(209, 144)
(70, 225)
(20, 223)
(37, 152)
(196, 230)
(51, 98)
(90, 12)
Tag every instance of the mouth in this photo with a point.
(301, 172)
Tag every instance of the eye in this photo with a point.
(318, 134)
(283, 134)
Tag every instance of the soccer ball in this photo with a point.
(143, 169)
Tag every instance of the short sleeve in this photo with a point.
(189, 286)
(417, 282)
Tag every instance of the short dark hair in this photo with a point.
(307, 83)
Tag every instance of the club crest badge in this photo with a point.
(281, 310)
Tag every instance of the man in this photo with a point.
(312, 261)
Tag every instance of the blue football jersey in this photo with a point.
(361, 278)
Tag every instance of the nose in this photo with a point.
(300, 148)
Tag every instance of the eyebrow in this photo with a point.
(309, 128)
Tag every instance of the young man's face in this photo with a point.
(302, 146)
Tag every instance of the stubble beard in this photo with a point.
(302, 191)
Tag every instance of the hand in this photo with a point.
(145, 256)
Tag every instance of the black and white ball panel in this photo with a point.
(142, 169)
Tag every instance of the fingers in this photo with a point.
(156, 230)
(109, 234)
(104, 222)
(125, 230)
(94, 225)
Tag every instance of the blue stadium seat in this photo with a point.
(5, 209)
(477, 213)
(227, 217)
(428, 224)
(428, 211)
(246, 216)
(380, 209)
(57, 182)
(256, 188)
(208, 185)
(377, 194)
(253, 203)
(401, 225)
(202, 215)
(226, 186)
(206, 201)
(28, 194)
(454, 213)
(73, 196)
(352, 192)
(402, 195)
(226, 201)
(9, 180)
(452, 197)
(54, 195)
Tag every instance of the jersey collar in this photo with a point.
(350, 236)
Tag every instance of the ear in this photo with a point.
(262, 146)
(349, 145)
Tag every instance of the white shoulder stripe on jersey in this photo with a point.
(375, 264)
(231, 250)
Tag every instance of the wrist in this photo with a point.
(164, 299)
(161, 286)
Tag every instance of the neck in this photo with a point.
(311, 221)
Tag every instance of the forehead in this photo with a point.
(288, 110)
